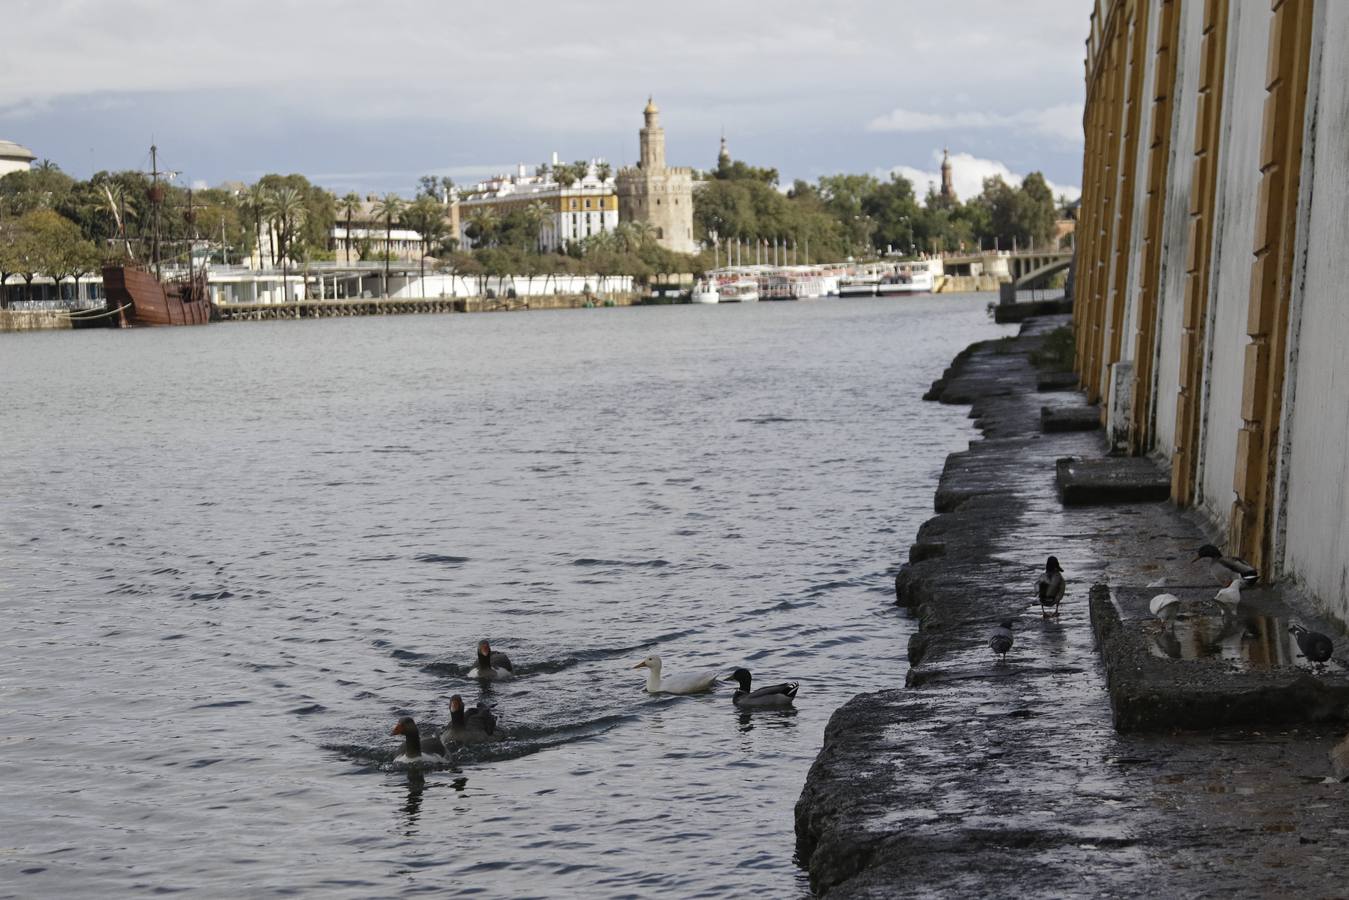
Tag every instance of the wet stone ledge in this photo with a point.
(985, 779)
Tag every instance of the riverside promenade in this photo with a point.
(983, 779)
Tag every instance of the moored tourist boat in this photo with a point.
(857, 286)
(706, 292)
(746, 290)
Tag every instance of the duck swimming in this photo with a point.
(772, 696)
(675, 684)
(415, 747)
(491, 665)
(469, 726)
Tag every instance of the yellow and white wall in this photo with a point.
(1210, 265)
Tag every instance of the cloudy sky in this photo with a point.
(367, 95)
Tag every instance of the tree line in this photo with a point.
(849, 215)
(55, 225)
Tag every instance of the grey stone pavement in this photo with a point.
(985, 779)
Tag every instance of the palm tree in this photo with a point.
(603, 170)
(482, 227)
(287, 211)
(565, 175)
(645, 233)
(349, 206)
(427, 217)
(119, 204)
(255, 203)
(582, 168)
(388, 208)
(536, 214)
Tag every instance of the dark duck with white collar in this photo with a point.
(1227, 569)
(469, 726)
(1049, 587)
(491, 665)
(415, 747)
(770, 697)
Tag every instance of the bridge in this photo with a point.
(1034, 268)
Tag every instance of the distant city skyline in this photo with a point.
(369, 102)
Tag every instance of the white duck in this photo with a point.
(1165, 607)
(675, 684)
(1229, 597)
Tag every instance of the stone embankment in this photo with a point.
(41, 320)
(394, 306)
(988, 779)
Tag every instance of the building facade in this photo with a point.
(1210, 266)
(567, 214)
(656, 194)
(14, 158)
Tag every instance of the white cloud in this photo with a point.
(1062, 121)
(424, 82)
(967, 176)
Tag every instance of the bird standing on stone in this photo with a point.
(1001, 640)
(1226, 569)
(1229, 598)
(1049, 587)
(1314, 645)
(1165, 607)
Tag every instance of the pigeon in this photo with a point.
(1049, 586)
(1001, 639)
(1226, 569)
(1314, 645)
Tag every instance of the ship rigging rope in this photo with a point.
(102, 315)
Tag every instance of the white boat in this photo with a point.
(706, 292)
(746, 290)
(909, 278)
(858, 286)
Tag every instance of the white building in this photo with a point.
(572, 213)
(14, 158)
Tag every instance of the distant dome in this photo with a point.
(11, 150)
(651, 107)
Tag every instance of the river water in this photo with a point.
(233, 556)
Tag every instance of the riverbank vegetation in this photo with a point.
(51, 223)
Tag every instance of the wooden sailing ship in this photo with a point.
(140, 296)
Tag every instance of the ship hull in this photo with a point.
(147, 301)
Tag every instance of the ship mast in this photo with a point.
(154, 206)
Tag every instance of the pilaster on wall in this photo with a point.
(1117, 301)
(1159, 153)
(1271, 278)
(1106, 86)
(1199, 249)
